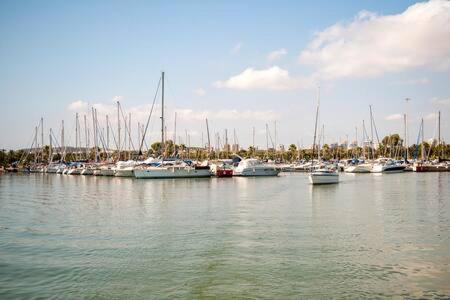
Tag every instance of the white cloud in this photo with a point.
(273, 78)
(393, 117)
(78, 105)
(236, 48)
(277, 54)
(200, 92)
(371, 45)
(441, 102)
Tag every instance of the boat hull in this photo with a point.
(124, 172)
(250, 172)
(107, 172)
(74, 172)
(321, 178)
(358, 169)
(224, 173)
(87, 172)
(155, 173)
(431, 168)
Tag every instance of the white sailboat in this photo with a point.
(323, 175)
(169, 169)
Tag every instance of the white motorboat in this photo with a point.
(125, 168)
(87, 171)
(107, 170)
(74, 171)
(388, 166)
(324, 176)
(97, 172)
(254, 167)
(177, 169)
(55, 167)
(358, 168)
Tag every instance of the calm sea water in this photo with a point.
(109, 238)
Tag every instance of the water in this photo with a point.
(108, 238)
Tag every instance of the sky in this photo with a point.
(241, 64)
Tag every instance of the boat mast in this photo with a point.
(175, 131)
(423, 146)
(439, 135)
(63, 148)
(35, 143)
(363, 142)
(107, 134)
(118, 130)
(209, 141)
(86, 137)
(76, 135)
(253, 138)
(162, 115)
(226, 142)
(406, 127)
(95, 133)
(275, 127)
(406, 144)
(371, 133)
(42, 137)
(129, 136)
(315, 126)
(50, 154)
(139, 135)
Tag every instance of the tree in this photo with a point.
(156, 147)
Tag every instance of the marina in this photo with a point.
(266, 237)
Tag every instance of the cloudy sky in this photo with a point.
(241, 64)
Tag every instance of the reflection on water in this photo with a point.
(372, 235)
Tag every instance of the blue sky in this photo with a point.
(217, 60)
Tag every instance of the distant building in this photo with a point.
(235, 148)
(353, 145)
(334, 145)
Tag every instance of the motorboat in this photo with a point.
(107, 170)
(222, 169)
(388, 166)
(171, 169)
(87, 170)
(431, 167)
(358, 168)
(254, 167)
(324, 176)
(74, 171)
(125, 168)
(55, 167)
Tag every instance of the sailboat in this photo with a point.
(169, 169)
(324, 175)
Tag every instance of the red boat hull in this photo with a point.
(432, 168)
(224, 173)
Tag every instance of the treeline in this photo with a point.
(391, 146)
